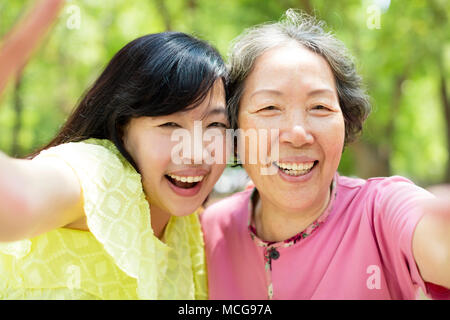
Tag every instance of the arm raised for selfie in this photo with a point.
(36, 196)
(18, 45)
(431, 241)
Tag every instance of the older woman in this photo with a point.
(304, 231)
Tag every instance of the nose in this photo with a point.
(201, 147)
(187, 146)
(297, 131)
(196, 153)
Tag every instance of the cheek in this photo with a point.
(152, 175)
(216, 172)
(255, 136)
(332, 139)
(218, 151)
(254, 144)
(253, 121)
(153, 162)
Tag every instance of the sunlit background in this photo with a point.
(401, 48)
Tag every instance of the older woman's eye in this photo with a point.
(268, 108)
(170, 125)
(320, 107)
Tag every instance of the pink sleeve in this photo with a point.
(395, 217)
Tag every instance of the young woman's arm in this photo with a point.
(18, 45)
(37, 196)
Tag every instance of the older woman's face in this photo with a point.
(292, 89)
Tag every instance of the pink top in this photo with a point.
(360, 248)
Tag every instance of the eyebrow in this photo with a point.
(216, 110)
(271, 91)
(279, 93)
(320, 91)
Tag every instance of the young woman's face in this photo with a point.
(170, 182)
(292, 89)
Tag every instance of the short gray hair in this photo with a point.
(307, 31)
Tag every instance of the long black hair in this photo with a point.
(154, 75)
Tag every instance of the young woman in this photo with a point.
(103, 212)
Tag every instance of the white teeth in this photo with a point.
(296, 172)
(295, 166)
(295, 169)
(189, 179)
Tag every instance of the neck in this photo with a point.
(276, 224)
(159, 220)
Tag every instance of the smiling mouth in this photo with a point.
(184, 182)
(296, 169)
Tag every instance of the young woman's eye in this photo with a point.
(217, 125)
(170, 125)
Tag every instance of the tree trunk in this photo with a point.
(162, 7)
(306, 6)
(192, 4)
(385, 150)
(446, 106)
(440, 18)
(373, 160)
(368, 161)
(18, 107)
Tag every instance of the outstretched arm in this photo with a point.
(36, 196)
(431, 240)
(18, 45)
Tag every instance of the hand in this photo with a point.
(19, 43)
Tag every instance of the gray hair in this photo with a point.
(307, 31)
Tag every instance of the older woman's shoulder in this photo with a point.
(359, 183)
(379, 188)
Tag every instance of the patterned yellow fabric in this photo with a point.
(119, 258)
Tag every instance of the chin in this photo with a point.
(182, 212)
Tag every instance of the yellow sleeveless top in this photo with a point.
(119, 258)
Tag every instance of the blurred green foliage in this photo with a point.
(403, 55)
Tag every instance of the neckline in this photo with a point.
(300, 235)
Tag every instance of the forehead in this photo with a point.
(215, 99)
(290, 66)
